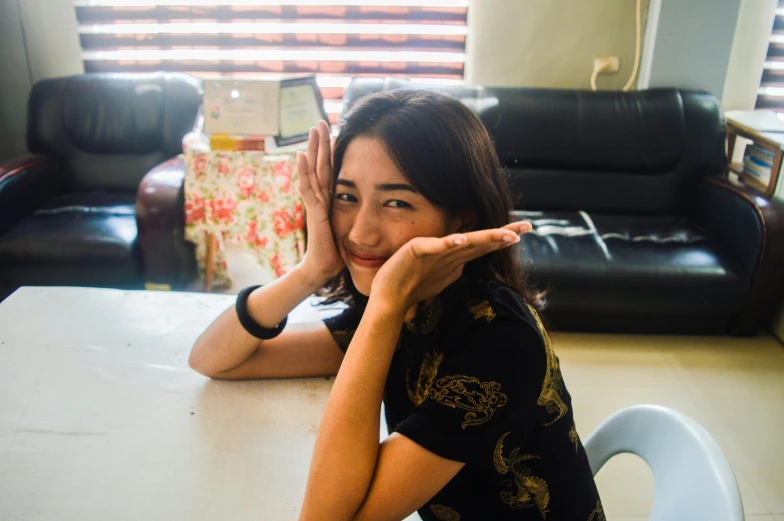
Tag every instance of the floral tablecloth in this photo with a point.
(244, 198)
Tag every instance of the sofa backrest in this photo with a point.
(108, 130)
(610, 152)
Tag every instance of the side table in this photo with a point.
(245, 198)
(765, 130)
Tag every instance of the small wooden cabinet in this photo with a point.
(766, 130)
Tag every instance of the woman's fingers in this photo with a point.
(324, 165)
(472, 245)
(519, 227)
(422, 247)
(313, 156)
(466, 245)
(305, 190)
(313, 146)
(461, 244)
(302, 168)
(494, 237)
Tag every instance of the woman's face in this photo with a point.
(376, 211)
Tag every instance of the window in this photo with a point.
(771, 92)
(335, 40)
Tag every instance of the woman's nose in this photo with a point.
(365, 227)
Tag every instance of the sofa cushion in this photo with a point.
(606, 263)
(608, 152)
(89, 230)
(108, 129)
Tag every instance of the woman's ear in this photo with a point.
(466, 221)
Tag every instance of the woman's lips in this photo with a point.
(367, 262)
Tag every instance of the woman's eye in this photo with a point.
(395, 203)
(345, 197)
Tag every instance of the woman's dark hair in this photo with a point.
(446, 153)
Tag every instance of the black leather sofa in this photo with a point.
(68, 210)
(636, 228)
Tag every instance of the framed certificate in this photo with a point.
(285, 109)
(300, 107)
(241, 107)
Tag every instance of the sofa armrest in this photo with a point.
(732, 217)
(26, 184)
(751, 229)
(169, 259)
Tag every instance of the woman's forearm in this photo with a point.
(225, 344)
(344, 457)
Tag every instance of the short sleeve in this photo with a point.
(470, 396)
(343, 326)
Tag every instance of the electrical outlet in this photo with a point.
(607, 64)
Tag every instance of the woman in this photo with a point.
(407, 225)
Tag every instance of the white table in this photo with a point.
(101, 418)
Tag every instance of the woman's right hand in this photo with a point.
(322, 260)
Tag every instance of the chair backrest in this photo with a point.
(692, 478)
(109, 130)
(633, 153)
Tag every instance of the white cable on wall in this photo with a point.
(596, 71)
(637, 48)
(637, 52)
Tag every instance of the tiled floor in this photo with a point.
(734, 387)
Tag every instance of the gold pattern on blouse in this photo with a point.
(522, 489)
(481, 309)
(444, 513)
(431, 314)
(598, 512)
(573, 437)
(550, 397)
(343, 337)
(480, 399)
(427, 375)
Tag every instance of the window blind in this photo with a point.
(771, 92)
(419, 39)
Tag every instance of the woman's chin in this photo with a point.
(362, 282)
(363, 288)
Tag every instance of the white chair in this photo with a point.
(692, 478)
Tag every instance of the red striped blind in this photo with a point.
(423, 40)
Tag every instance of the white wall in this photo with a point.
(52, 38)
(749, 48)
(691, 45)
(38, 39)
(14, 82)
(549, 43)
(552, 43)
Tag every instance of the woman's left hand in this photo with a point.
(423, 267)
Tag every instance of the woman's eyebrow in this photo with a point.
(346, 183)
(383, 187)
(392, 187)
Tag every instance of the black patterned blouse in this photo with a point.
(474, 379)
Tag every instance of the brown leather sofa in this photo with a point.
(68, 210)
(636, 228)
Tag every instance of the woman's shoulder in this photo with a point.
(489, 301)
(495, 335)
(492, 311)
